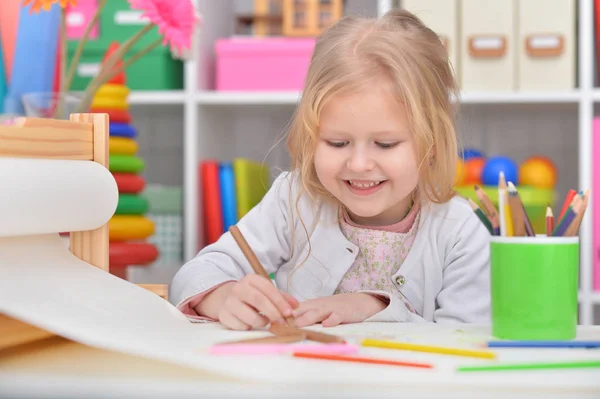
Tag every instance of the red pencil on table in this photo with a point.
(356, 359)
(549, 221)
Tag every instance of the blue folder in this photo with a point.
(34, 62)
(228, 195)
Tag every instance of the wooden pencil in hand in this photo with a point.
(253, 260)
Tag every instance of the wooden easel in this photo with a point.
(83, 137)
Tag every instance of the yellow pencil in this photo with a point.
(375, 343)
(503, 200)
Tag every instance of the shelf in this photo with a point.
(536, 97)
(248, 98)
(596, 94)
(156, 97)
(595, 298)
(292, 97)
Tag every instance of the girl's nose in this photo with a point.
(360, 161)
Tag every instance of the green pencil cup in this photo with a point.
(534, 284)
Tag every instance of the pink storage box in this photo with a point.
(262, 64)
(78, 18)
(596, 205)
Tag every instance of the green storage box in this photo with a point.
(534, 200)
(157, 70)
(118, 22)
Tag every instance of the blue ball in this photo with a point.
(468, 153)
(495, 165)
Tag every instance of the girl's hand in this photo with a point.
(255, 302)
(337, 309)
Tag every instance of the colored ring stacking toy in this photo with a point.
(108, 102)
(114, 115)
(129, 183)
(122, 146)
(125, 163)
(130, 204)
(121, 130)
(129, 227)
(113, 91)
(122, 254)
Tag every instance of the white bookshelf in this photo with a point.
(222, 125)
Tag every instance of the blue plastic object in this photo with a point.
(469, 153)
(228, 195)
(34, 62)
(119, 129)
(495, 165)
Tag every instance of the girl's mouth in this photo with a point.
(365, 187)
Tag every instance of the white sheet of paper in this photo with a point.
(43, 284)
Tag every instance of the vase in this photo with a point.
(53, 105)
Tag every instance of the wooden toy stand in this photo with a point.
(84, 137)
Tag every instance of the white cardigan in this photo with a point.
(445, 275)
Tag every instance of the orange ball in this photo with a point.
(473, 169)
(460, 173)
(538, 172)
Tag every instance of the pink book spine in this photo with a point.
(596, 207)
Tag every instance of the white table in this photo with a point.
(59, 368)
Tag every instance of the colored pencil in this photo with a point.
(481, 216)
(572, 211)
(533, 366)
(543, 344)
(570, 195)
(549, 220)
(356, 359)
(428, 348)
(489, 209)
(516, 211)
(282, 329)
(573, 228)
(269, 349)
(253, 260)
(271, 339)
(512, 190)
(506, 218)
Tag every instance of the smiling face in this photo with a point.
(365, 155)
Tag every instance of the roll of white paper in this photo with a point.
(41, 196)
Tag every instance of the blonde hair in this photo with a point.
(398, 46)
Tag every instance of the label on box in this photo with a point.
(75, 19)
(487, 43)
(548, 41)
(88, 70)
(130, 17)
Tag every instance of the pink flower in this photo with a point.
(176, 19)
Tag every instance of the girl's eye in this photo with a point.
(337, 144)
(387, 145)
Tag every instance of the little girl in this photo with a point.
(366, 226)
